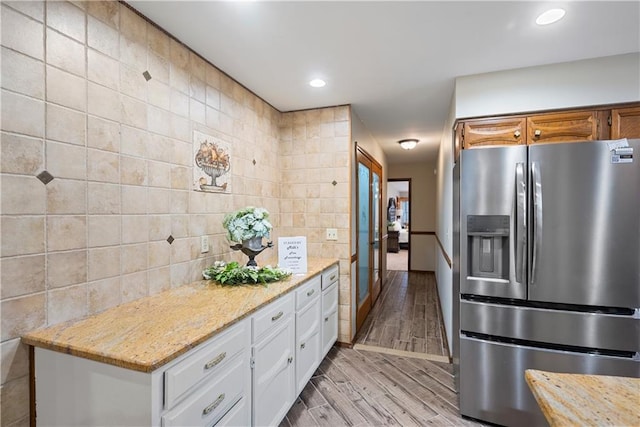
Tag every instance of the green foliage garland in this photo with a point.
(235, 274)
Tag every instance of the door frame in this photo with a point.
(408, 181)
(362, 310)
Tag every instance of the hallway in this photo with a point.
(406, 319)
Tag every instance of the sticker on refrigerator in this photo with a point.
(622, 155)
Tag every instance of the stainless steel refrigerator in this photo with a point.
(549, 270)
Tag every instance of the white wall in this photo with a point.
(444, 222)
(599, 81)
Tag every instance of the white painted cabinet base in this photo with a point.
(249, 374)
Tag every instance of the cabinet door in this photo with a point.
(274, 375)
(506, 131)
(562, 127)
(625, 123)
(329, 318)
(307, 342)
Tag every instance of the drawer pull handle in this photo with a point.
(303, 345)
(213, 362)
(277, 316)
(333, 276)
(326, 319)
(310, 292)
(290, 359)
(214, 405)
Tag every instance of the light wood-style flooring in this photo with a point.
(362, 388)
(406, 317)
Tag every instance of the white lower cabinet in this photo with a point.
(198, 388)
(308, 345)
(273, 362)
(249, 374)
(329, 309)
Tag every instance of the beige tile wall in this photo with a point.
(75, 103)
(314, 147)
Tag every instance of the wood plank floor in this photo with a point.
(362, 388)
(406, 317)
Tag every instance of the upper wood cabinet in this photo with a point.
(505, 131)
(625, 122)
(562, 127)
(611, 122)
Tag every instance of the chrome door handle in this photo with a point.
(277, 316)
(537, 217)
(310, 292)
(520, 225)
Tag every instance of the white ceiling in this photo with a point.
(394, 61)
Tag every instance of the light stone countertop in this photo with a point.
(145, 334)
(586, 400)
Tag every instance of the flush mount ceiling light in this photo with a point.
(550, 16)
(317, 83)
(408, 144)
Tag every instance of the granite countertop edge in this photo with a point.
(145, 334)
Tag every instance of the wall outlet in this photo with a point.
(332, 234)
(204, 244)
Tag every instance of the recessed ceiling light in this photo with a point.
(317, 83)
(550, 16)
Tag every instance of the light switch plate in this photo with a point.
(204, 244)
(332, 234)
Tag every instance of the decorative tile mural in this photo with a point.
(211, 164)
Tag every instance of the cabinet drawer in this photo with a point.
(271, 316)
(308, 292)
(239, 415)
(330, 299)
(212, 400)
(329, 276)
(210, 359)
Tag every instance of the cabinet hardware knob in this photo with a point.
(326, 319)
(538, 132)
(214, 405)
(213, 362)
(277, 316)
(310, 292)
(516, 134)
(303, 345)
(290, 359)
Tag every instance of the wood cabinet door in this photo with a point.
(562, 127)
(505, 131)
(625, 123)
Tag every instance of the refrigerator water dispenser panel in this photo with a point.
(489, 246)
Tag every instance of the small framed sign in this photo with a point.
(292, 254)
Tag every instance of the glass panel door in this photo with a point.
(369, 234)
(363, 233)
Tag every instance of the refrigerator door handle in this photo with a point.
(520, 226)
(537, 217)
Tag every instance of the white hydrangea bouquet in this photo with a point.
(246, 226)
(247, 223)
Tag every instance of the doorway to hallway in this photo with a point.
(398, 224)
